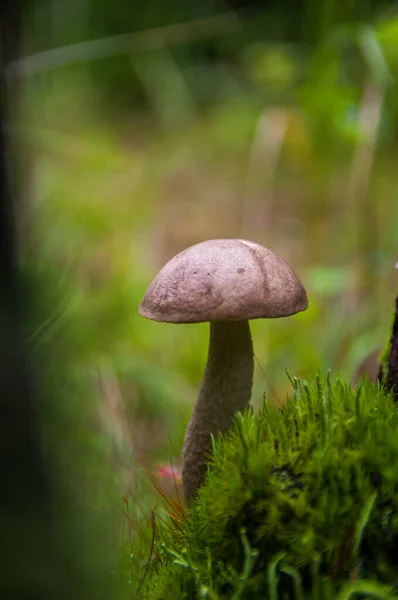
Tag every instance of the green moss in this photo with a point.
(299, 503)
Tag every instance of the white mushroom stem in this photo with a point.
(226, 389)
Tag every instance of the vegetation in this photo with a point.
(268, 124)
(299, 502)
(290, 162)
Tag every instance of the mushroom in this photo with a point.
(226, 282)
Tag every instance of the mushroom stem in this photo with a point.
(226, 389)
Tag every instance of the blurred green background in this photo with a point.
(146, 128)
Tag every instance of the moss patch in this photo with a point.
(299, 502)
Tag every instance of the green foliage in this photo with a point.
(117, 194)
(145, 145)
(299, 502)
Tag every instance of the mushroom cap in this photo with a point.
(224, 280)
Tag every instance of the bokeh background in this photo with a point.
(144, 128)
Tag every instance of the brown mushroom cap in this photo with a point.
(224, 280)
